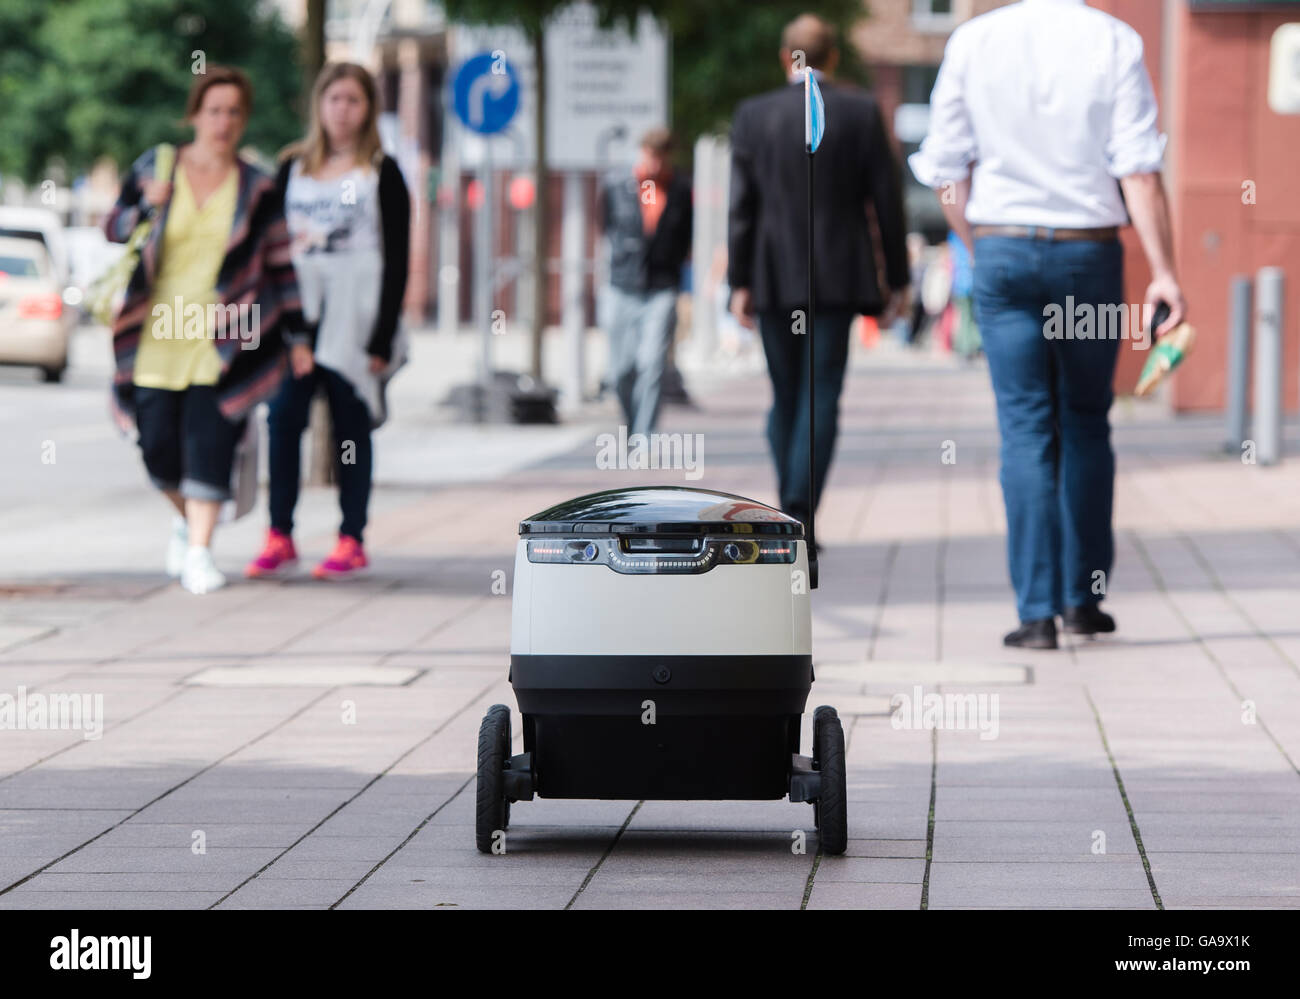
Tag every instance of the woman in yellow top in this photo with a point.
(222, 233)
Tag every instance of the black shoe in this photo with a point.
(1040, 634)
(1090, 620)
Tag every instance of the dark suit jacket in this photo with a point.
(767, 230)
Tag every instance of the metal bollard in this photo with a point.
(1269, 311)
(1238, 362)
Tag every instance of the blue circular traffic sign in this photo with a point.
(486, 92)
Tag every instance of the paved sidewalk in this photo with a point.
(318, 741)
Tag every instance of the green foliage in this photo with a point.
(723, 52)
(82, 79)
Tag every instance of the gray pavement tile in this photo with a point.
(1104, 874)
(1029, 850)
(506, 872)
(886, 848)
(1039, 896)
(131, 882)
(290, 891)
(871, 870)
(95, 859)
(730, 900)
(218, 835)
(771, 877)
(370, 896)
(858, 895)
(757, 862)
(371, 849)
(292, 867)
(70, 900)
(1180, 901)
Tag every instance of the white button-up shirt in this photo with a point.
(1051, 102)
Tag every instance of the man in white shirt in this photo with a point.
(1042, 114)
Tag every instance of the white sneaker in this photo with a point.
(177, 546)
(200, 574)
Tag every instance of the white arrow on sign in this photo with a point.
(497, 84)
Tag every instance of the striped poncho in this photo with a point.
(256, 271)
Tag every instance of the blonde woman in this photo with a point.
(218, 247)
(348, 214)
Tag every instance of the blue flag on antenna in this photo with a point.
(814, 112)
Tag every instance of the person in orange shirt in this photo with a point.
(645, 212)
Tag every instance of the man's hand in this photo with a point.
(742, 308)
(377, 364)
(156, 191)
(900, 300)
(1164, 288)
(301, 360)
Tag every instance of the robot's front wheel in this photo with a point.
(492, 813)
(831, 809)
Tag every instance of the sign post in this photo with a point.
(485, 95)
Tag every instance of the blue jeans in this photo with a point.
(1053, 399)
(787, 423)
(286, 420)
(641, 327)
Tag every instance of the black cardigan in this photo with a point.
(395, 221)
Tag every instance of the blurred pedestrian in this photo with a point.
(349, 217)
(1027, 151)
(918, 251)
(965, 331)
(200, 337)
(768, 243)
(645, 212)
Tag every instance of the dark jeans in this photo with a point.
(1053, 396)
(186, 443)
(787, 423)
(286, 421)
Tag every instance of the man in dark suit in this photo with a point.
(768, 243)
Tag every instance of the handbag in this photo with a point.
(106, 293)
(243, 476)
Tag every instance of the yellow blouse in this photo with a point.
(176, 349)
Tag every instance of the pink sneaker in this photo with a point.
(347, 559)
(278, 555)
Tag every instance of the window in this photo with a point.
(917, 83)
(932, 15)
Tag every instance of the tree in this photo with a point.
(82, 79)
(714, 70)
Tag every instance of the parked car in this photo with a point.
(35, 325)
(41, 225)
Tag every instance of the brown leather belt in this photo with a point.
(1044, 232)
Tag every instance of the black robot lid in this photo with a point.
(661, 510)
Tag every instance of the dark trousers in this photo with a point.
(287, 419)
(787, 423)
(1053, 396)
(186, 443)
